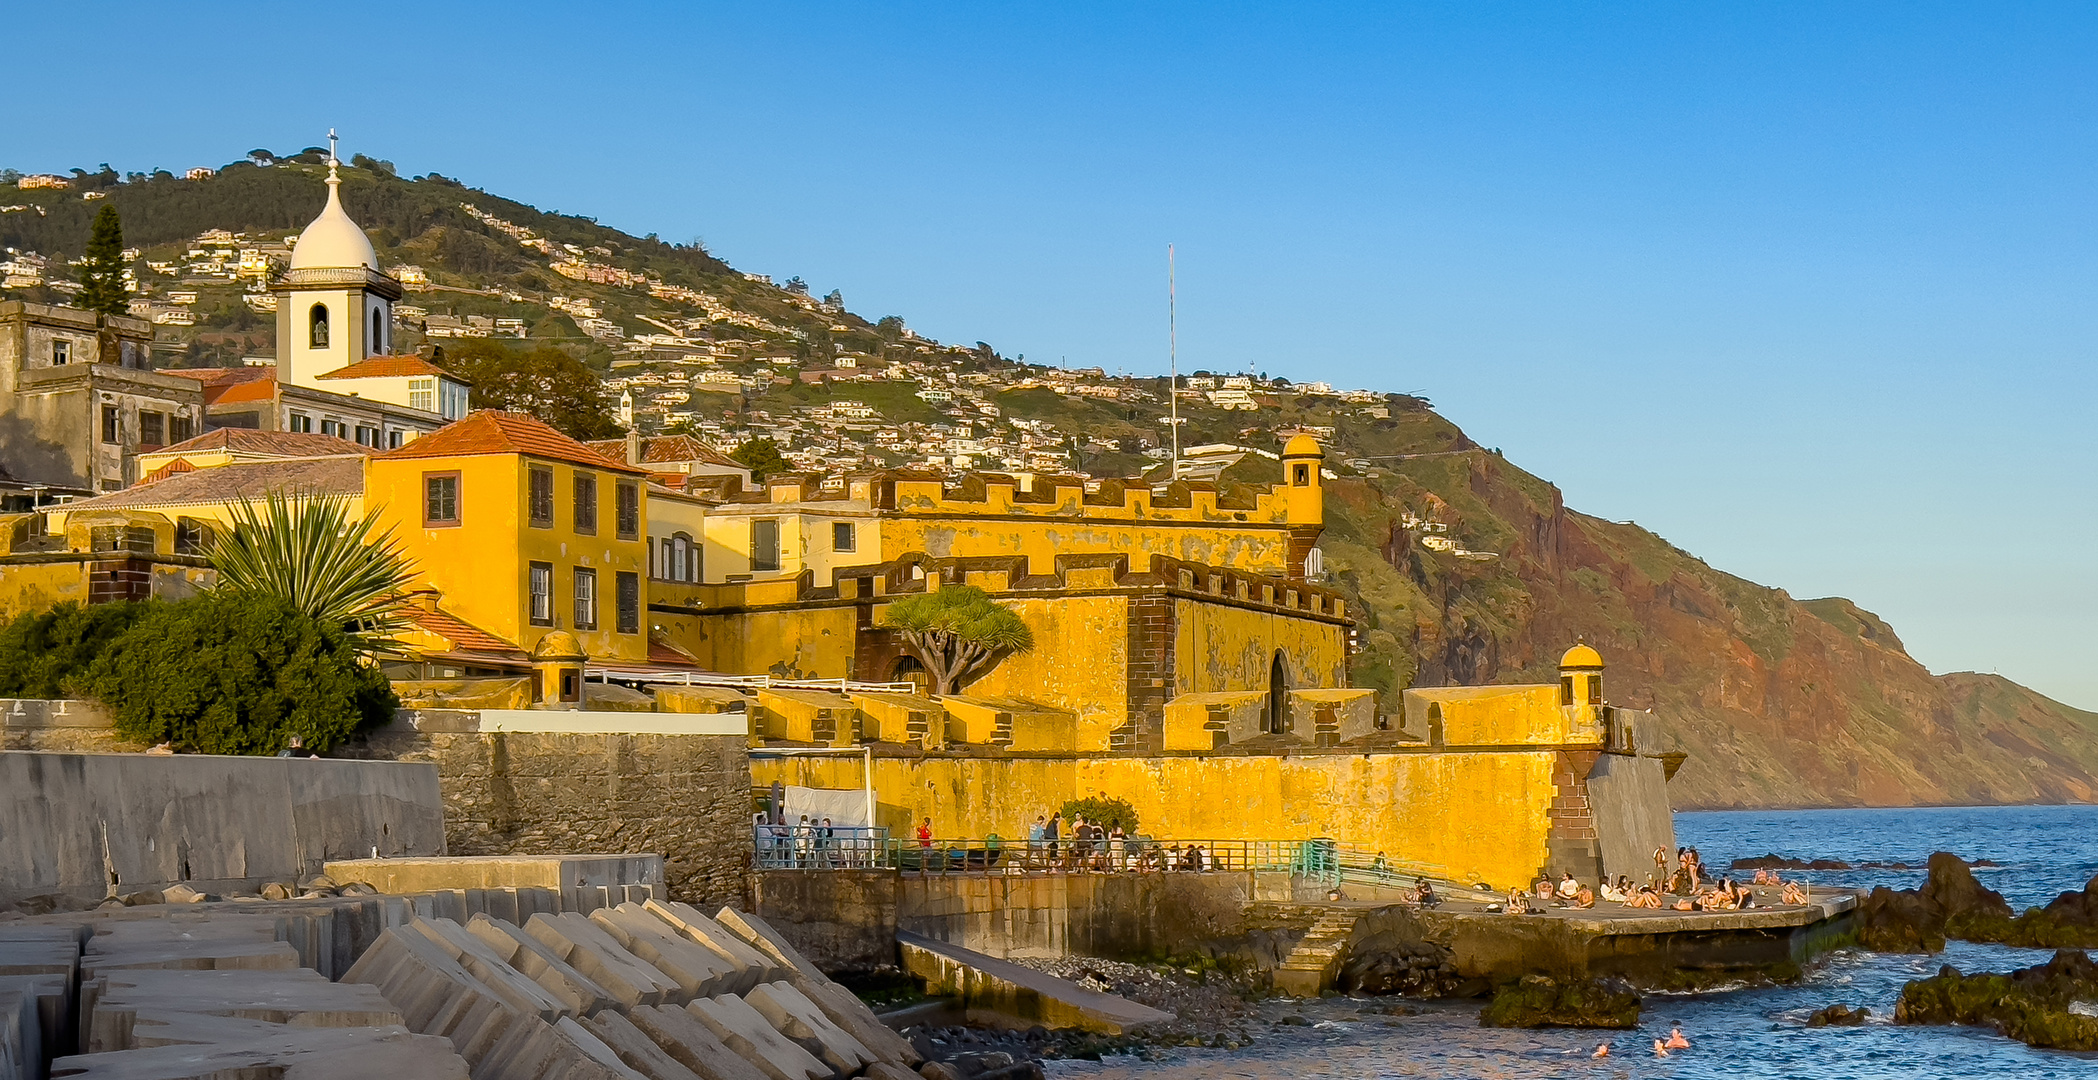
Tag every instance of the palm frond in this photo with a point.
(308, 550)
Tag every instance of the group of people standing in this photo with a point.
(809, 845)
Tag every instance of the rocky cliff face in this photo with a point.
(1777, 701)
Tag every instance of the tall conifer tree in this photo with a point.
(102, 278)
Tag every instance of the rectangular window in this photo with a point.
(152, 429)
(180, 428)
(629, 602)
(440, 499)
(764, 544)
(586, 502)
(61, 353)
(1566, 694)
(542, 592)
(540, 498)
(335, 428)
(629, 509)
(585, 599)
(422, 394)
(112, 424)
(394, 439)
(300, 422)
(842, 538)
(367, 436)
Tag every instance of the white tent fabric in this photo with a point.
(843, 806)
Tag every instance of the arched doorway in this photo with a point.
(908, 669)
(1278, 695)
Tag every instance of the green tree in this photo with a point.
(40, 650)
(543, 381)
(1104, 812)
(309, 552)
(763, 457)
(959, 633)
(237, 673)
(102, 276)
(890, 327)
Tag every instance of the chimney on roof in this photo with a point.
(633, 447)
(425, 599)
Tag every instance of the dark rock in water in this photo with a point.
(1391, 954)
(1950, 904)
(2038, 1006)
(1779, 862)
(1901, 921)
(1839, 1016)
(2076, 908)
(1539, 1001)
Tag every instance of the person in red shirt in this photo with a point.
(925, 833)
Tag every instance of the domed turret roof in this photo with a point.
(1302, 445)
(1581, 656)
(559, 645)
(333, 241)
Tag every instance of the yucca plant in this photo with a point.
(310, 551)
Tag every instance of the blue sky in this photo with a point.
(1806, 289)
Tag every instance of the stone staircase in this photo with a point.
(1310, 968)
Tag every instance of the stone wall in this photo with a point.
(92, 824)
(549, 792)
(58, 726)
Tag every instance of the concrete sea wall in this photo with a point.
(549, 783)
(90, 824)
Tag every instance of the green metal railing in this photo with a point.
(1319, 859)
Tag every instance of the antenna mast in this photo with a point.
(1173, 359)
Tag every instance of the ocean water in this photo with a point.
(1740, 1033)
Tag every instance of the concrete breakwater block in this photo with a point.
(520, 950)
(760, 935)
(792, 1014)
(305, 1053)
(840, 1005)
(1015, 990)
(747, 1032)
(689, 922)
(594, 1051)
(157, 1000)
(636, 1049)
(202, 941)
(589, 949)
(492, 969)
(699, 971)
(21, 1037)
(693, 1044)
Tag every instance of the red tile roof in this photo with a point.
(492, 432)
(247, 481)
(178, 465)
(462, 634)
(664, 449)
(390, 367)
(662, 654)
(236, 393)
(221, 376)
(288, 444)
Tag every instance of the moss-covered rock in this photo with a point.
(2032, 1005)
(1839, 1015)
(1538, 1001)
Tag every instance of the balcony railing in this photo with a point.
(789, 847)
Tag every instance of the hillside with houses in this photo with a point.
(1462, 567)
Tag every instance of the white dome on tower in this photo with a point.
(333, 241)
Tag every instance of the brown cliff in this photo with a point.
(1778, 701)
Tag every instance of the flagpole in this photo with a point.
(1173, 358)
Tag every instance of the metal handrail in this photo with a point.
(859, 847)
(744, 682)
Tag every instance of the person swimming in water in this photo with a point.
(1660, 1048)
(1602, 1050)
(1676, 1041)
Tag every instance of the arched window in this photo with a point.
(378, 342)
(317, 327)
(684, 559)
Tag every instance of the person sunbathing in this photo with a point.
(1585, 898)
(1543, 889)
(1518, 902)
(1568, 886)
(1645, 898)
(1795, 893)
(1614, 894)
(1762, 877)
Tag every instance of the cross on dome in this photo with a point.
(333, 241)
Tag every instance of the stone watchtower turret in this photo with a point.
(1304, 500)
(1581, 691)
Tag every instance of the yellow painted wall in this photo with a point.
(806, 642)
(1478, 815)
(1501, 716)
(1080, 662)
(480, 566)
(31, 587)
(1223, 648)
